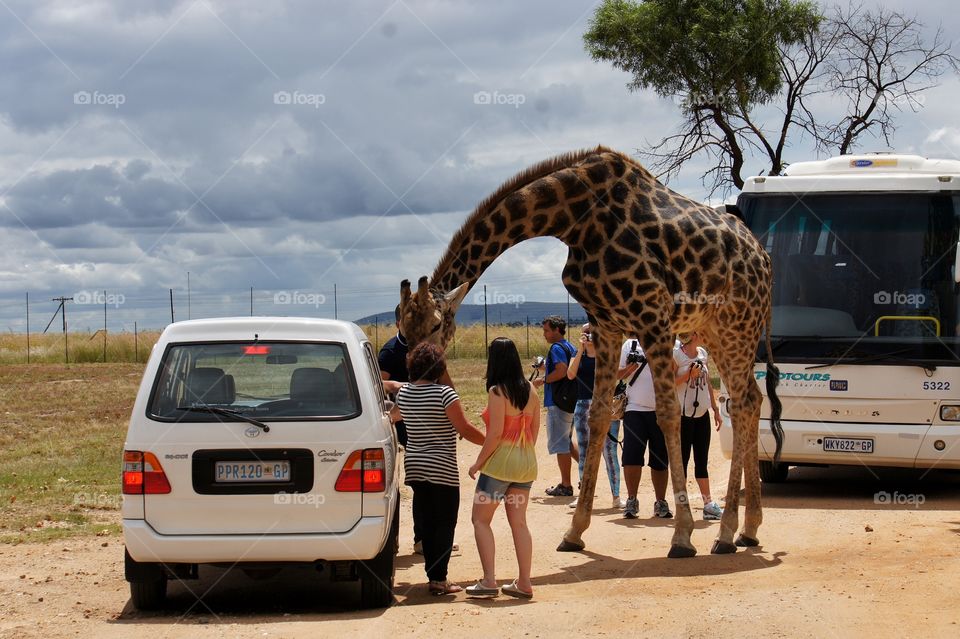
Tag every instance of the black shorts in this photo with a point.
(640, 429)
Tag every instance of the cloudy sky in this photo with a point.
(294, 146)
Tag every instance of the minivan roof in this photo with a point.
(262, 329)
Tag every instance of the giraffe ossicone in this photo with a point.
(644, 262)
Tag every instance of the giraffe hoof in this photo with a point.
(747, 542)
(569, 546)
(681, 552)
(723, 548)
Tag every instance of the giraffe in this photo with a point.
(643, 261)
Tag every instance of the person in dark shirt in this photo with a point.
(393, 366)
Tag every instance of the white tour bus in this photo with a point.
(866, 311)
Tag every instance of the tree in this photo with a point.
(729, 63)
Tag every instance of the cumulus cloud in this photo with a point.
(288, 145)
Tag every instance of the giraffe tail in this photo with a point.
(773, 379)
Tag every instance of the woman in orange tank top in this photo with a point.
(507, 465)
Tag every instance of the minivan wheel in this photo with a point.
(376, 575)
(773, 474)
(149, 595)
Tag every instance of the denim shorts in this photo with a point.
(559, 430)
(497, 488)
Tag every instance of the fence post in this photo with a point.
(528, 337)
(28, 327)
(486, 342)
(104, 326)
(136, 345)
(172, 320)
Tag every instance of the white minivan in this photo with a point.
(256, 443)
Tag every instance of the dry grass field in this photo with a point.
(127, 347)
(62, 438)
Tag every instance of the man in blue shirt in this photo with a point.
(559, 423)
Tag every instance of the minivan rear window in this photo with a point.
(256, 379)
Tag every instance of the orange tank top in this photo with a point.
(515, 458)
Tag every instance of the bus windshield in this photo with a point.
(859, 274)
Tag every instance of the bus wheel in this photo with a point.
(773, 474)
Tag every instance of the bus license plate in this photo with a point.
(847, 445)
(270, 471)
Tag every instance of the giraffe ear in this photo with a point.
(455, 297)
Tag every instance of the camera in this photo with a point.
(588, 337)
(538, 362)
(634, 357)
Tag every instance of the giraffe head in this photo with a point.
(428, 315)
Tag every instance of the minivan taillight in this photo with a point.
(143, 474)
(363, 472)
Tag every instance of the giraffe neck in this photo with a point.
(550, 199)
(482, 239)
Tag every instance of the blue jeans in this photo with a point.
(581, 415)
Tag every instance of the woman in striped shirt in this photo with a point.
(433, 417)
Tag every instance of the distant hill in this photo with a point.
(515, 314)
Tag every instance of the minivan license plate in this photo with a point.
(252, 471)
(847, 445)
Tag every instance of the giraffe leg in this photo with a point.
(659, 353)
(753, 515)
(729, 520)
(680, 546)
(607, 345)
(735, 356)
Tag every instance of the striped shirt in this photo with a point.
(431, 451)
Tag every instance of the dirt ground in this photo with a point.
(833, 563)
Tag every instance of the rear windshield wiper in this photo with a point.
(879, 357)
(226, 412)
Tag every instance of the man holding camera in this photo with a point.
(640, 431)
(559, 423)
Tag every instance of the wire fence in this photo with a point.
(108, 326)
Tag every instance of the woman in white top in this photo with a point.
(694, 391)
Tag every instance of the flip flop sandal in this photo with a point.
(479, 590)
(513, 590)
(438, 588)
